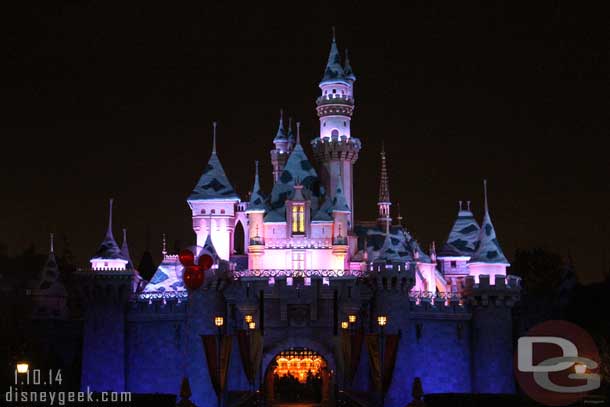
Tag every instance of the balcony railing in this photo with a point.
(335, 99)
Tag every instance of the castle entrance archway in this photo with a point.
(298, 375)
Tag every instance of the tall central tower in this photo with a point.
(336, 149)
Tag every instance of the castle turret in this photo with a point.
(108, 256)
(105, 290)
(488, 257)
(255, 213)
(459, 247)
(336, 149)
(213, 203)
(383, 202)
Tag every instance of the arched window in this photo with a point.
(222, 211)
(203, 211)
(213, 211)
(344, 124)
(334, 133)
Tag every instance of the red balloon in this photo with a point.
(193, 277)
(205, 262)
(186, 257)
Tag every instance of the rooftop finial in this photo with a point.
(298, 132)
(485, 193)
(256, 165)
(109, 231)
(399, 217)
(52, 245)
(163, 246)
(333, 33)
(459, 205)
(384, 188)
(468, 205)
(214, 138)
(124, 235)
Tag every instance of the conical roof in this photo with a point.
(209, 246)
(125, 251)
(339, 202)
(387, 252)
(463, 237)
(108, 249)
(257, 201)
(48, 279)
(333, 70)
(281, 132)
(488, 248)
(298, 167)
(347, 69)
(213, 183)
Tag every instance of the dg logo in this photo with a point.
(557, 363)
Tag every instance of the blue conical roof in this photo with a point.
(463, 237)
(213, 183)
(339, 202)
(257, 201)
(281, 132)
(298, 167)
(488, 248)
(333, 71)
(125, 251)
(347, 70)
(108, 249)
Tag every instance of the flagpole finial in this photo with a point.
(163, 245)
(52, 243)
(298, 132)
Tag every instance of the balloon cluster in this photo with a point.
(194, 274)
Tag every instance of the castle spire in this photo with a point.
(214, 138)
(125, 250)
(109, 230)
(347, 69)
(290, 135)
(333, 70)
(488, 249)
(298, 132)
(399, 217)
(257, 201)
(383, 202)
(281, 132)
(51, 239)
(163, 245)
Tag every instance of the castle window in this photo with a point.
(334, 133)
(344, 124)
(222, 211)
(203, 211)
(213, 211)
(334, 90)
(298, 219)
(453, 264)
(298, 261)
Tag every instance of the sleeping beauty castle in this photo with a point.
(317, 292)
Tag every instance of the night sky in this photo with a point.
(104, 99)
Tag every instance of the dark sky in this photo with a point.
(104, 99)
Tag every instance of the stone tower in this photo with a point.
(336, 149)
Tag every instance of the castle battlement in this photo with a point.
(505, 291)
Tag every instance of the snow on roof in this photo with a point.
(463, 237)
(257, 201)
(333, 71)
(339, 203)
(213, 183)
(298, 167)
(488, 249)
(167, 277)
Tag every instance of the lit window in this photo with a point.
(298, 219)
